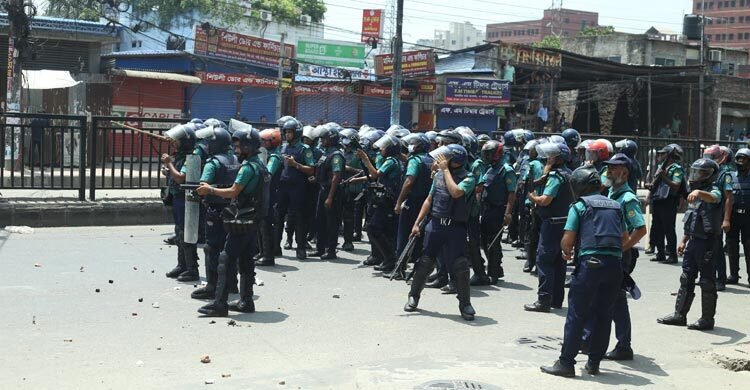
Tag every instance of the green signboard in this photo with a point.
(332, 53)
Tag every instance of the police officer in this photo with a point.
(414, 191)
(498, 194)
(533, 182)
(352, 193)
(271, 141)
(329, 171)
(596, 230)
(664, 199)
(740, 222)
(724, 182)
(292, 192)
(477, 167)
(616, 179)
(572, 139)
(447, 208)
(432, 136)
(310, 138)
(702, 223)
(380, 225)
(250, 190)
(183, 137)
(552, 206)
(376, 159)
(220, 170)
(630, 149)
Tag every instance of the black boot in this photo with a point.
(383, 246)
(371, 261)
(301, 254)
(171, 240)
(460, 276)
(180, 267)
(269, 243)
(208, 291)
(708, 306)
(477, 264)
(671, 259)
(559, 369)
(347, 246)
(527, 267)
(684, 300)
(619, 354)
(245, 304)
(439, 282)
(265, 263)
(450, 288)
(330, 255)
(191, 264)
(522, 256)
(219, 307)
(479, 279)
(422, 270)
(538, 306)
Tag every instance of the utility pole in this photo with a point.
(280, 90)
(16, 33)
(701, 96)
(397, 77)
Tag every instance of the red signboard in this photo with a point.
(427, 87)
(236, 79)
(372, 24)
(254, 50)
(413, 63)
(375, 90)
(318, 89)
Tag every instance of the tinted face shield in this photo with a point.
(205, 134)
(743, 163)
(592, 155)
(176, 133)
(699, 175)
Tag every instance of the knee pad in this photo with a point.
(460, 264)
(686, 280)
(708, 284)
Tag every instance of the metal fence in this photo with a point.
(78, 153)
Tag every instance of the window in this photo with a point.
(710, 21)
(711, 5)
(583, 24)
(663, 62)
(698, 5)
(733, 3)
(747, 36)
(723, 37)
(742, 3)
(731, 37)
(731, 19)
(721, 4)
(567, 20)
(453, 41)
(740, 19)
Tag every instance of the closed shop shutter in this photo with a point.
(327, 108)
(376, 112)
(257, 102)
(213, 101)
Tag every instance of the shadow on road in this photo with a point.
(642, 363)
(609, 377)
(513, 286)
(278, 268)
(261, 317)
(732, 335)
(733, 290)
(478, 320)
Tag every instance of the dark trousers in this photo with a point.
(720, 259)
(349, 216)
(550, 264)
(664, 214)
(535, 225)
(409, 214)
(593, 293)
(698, 261)
(515, 223)
(445, 242)
(739, 233)
(328, 221)
(239, 250)
(215, 240)
(310, 211)
(290, 206)
(380, 229)
(492, 222)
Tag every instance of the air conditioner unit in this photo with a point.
(715, 55)
(266, 16)
(305, 20)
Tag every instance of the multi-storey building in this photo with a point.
(560, 22)
(727, 22)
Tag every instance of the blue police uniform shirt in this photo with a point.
(631, 207)
(575, 215)
(247, 177)
(209, 170)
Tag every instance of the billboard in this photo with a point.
(233, 46)
(477, 91)
(372, 24)
(331, 53)
(413, 63)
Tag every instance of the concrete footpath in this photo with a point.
(58, 208)
(90, 308)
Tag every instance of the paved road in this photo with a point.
(57, 332)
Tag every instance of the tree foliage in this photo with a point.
(595, 31)
(549, 42)
(168, 12)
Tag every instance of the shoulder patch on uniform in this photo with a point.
(631, 213)
(728, 179)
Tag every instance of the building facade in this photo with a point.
(727, 22)
(560, 22)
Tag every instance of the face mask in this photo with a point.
(608, 182)
(412, 148)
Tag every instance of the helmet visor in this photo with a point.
(548, 150)
(592, 155)
(621, 144)
(176, 133)
(207, 133)
(235, 125)
(442, 151)
(700, 174)
(385, 142)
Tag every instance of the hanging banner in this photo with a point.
(413, 63)
(427, 87)
(372, 25)
(477, 91)
(385, 91)
(527, 56)
(331, 53)
(233, 46)
(335, 73)
(320, 89)
(236, 79)
(466, 111)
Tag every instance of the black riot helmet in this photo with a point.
(448, 137)
(672, 151)
(703, 172)
(290, 123)
(217, 138)
(249, 139)
(330, 132)
(585, 180)
(742, 159)
(492, 152)
(185, 134)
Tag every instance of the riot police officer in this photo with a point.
(376, 159)
(498, 194)
(352, 193)
(328, 173)
(596, 230)
(447, 208)
(250, 193)
(432, 137)
(533, 182)
(740, 222)
(183, 137)
(552, 206)
(724, 182)
(477, 167)
(572, 139)
(271, 141)
(702, 223)
(221, 170)
(292, 192)
(310, 138)
(664, 199)
(380, 225)
(630, 149)
(416, 187)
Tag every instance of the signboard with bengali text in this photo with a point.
(372, 24)
(331, 53)
(245, 48)
(476, 91)
(413, 63)
(236, 79)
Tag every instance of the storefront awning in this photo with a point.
(48, 79)
(141, 74)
